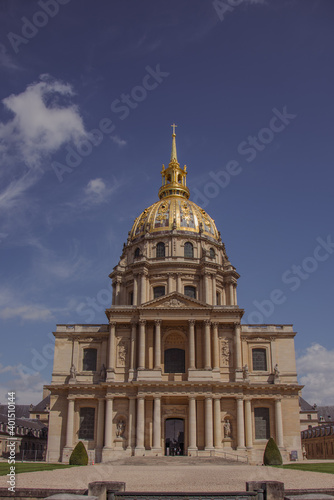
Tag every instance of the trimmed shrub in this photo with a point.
(272, 455)
(79, 455)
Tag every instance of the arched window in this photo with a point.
(259, 360)
(262, 423)
(87, 423)
(160, 249)
(174, 361)
(89, 360)
(158, 291)
(190, 291)
(137, 252)
(188, 250)
(212, 253)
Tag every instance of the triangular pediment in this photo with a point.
(174, 300)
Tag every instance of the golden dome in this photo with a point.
(174, 211)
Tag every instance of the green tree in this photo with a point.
(79, 455)
(272, 455)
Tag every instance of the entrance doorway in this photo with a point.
(174, 436)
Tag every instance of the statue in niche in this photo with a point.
(225, 351)
(73, 372)
(245, 372)
(103, 373)
(122, 352)
(276, 371)
(120, 428)
(227, 429)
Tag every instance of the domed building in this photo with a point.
(173, 372)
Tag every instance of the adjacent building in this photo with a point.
(173, 371)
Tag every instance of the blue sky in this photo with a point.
(88, 93)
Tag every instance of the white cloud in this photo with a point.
(97, 191)
(27, 384)
(43, 119)
(315, 368)
(72, 265)
(117, 140)
(6, 61)
(27, 312)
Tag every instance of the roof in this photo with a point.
(43, 405)
(20, 410)
(305, 406)
(28, 423)
(327, 412)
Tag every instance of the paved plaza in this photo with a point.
(172, 474)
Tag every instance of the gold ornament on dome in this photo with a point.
(174, 211)
(162, 212)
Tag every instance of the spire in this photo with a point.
(174, 177)
(173, 156)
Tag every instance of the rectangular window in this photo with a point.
(262, 427)
(158, 291)
(87, 423)
(259, 357)
(190, 291)
(89, 360)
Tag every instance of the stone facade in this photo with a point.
(318, 442)
(174, 356)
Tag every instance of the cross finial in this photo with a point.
(173, 128)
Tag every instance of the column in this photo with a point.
(169, 283)
(141, 361)
(214, 292)
(208, 424)
(237, 349)
(248, 421)
(215, 346)
(111, 354)
(230, 289)
(108, 423)
(133, 347)
(70, 423)
(235, 294)
(135, 289)
(178, 283)
(142, 288)
(217, 423)
(140, 423)
(207, 340)
(206, 288)
(157, 423)
(192, 424)
(100, 423)
(279, 423)
(240, 424)
(132, 419)
(192, 364)
(157, 345)
(223, 296)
